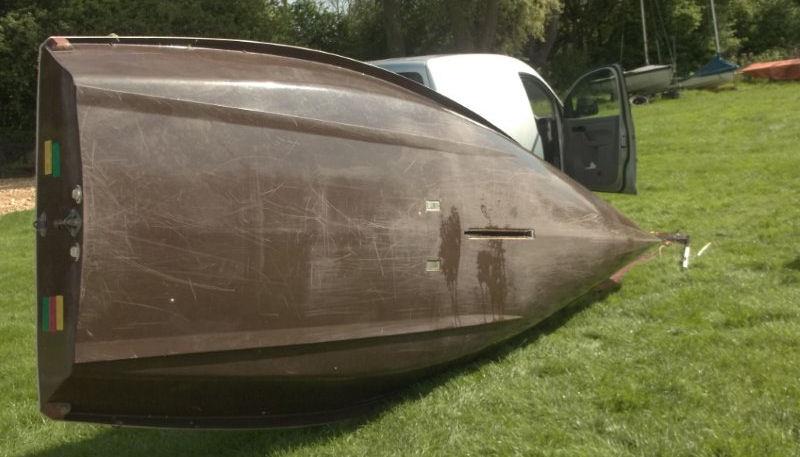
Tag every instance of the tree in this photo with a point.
(20, 34)
(768, 28)
(462, 17)
(395, 43)
(538, 50)
(488, 25)
(315, 27)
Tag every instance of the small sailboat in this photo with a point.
(716, 72)
(650, 78)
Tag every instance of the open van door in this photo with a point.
(599, 142)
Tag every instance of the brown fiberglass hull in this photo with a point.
(272, 236)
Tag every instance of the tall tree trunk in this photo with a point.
(539, 51)
(461, 25)
(395, 42)
(488, 25)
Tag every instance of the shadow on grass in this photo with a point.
(793, 264)
(124, 442)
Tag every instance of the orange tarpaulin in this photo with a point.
(778, 69)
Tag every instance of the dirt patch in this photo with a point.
(16, 194)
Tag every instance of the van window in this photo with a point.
(541, 104)
(544, 110)
(412, 75)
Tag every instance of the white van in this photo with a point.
(589, 135)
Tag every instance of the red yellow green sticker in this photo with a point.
(52, 158)
(53, 313)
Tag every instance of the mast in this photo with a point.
(713, 18)
(644, 32)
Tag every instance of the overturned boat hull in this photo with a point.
(777, 70)
(237, 234)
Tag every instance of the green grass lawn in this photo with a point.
(676, 363)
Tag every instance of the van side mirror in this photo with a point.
(587, 106)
